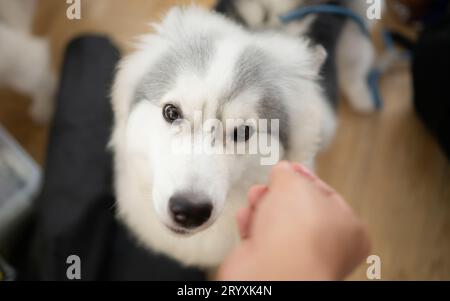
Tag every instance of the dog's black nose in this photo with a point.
(189, 211)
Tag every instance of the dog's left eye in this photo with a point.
(242, 133)
(171, 113)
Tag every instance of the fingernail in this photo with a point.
(304, 171)
(284, 165)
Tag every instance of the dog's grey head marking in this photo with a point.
(249, 72)
(271, 107)
(255, 69)
(193, 55)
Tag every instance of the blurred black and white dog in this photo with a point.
(243, 65)
(24, 58)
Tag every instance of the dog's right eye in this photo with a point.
(243, 133)
(171, 113)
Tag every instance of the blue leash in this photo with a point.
(373, 78)
(302, 12)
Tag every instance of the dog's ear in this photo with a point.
(319, 55)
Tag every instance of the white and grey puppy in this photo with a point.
(25, 59)
(184, 205)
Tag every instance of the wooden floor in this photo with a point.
(386, 164)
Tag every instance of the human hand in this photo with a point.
(296, 227)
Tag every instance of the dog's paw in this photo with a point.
(361, 99)
(42, 106)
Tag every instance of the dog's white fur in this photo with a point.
(25, 59)
(146, 171)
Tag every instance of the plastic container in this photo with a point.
(20, 179)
